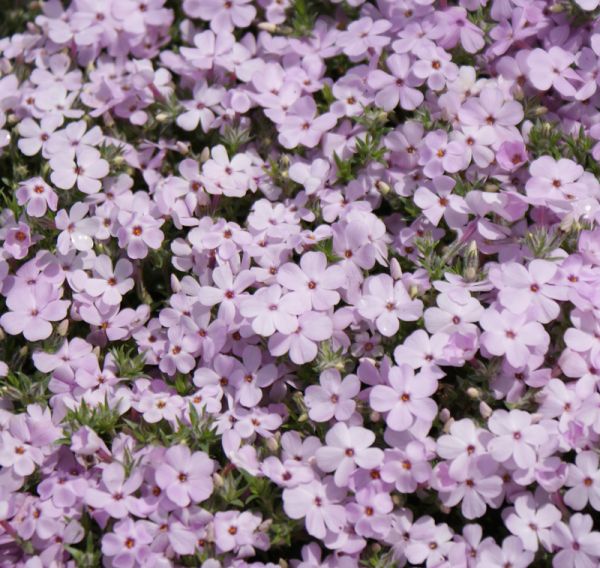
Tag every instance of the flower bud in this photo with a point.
(382, 187)
(375, 416)
(448, 425)
(485, 409)
(444, 415)
(395, 269)
(272, 444)
(474, 393)
(267, 27)
(162, 117)
(63, 327)
(175, 284)
(204, 155)
(218, 480)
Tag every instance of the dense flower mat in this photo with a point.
(300, 283)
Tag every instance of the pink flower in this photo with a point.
(235, 531)
(224, 176)
(38, 195)
(385, 302)
(32, 310)
(108, 284)
(552, 69)
(185, 477)
(201, 108)
(312, 283)
(512, 335)
(579, 543)
(553, 180)
(438, 155)
(511, 155)
(311, 327)
(35, 137)
(301, 125)
(86, 170)
(464, 444)
(441, 203)
(363, 36)
(115, 495)
(511, 554)
(77, 229)
(317, 502)
(269, 310)
(334, 397)
(345, 450)
(223, 16)
(17, 241)
(397, 87)
(406, 400)
(532, 522)
(129, 543)
(516, 437)
(528, 290)
(584, 481)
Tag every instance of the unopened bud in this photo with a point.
(162, 117)
(382, 187)
(448, 425)
(23, 351)
(283, 563)
(118, 160)
(556, 8)
(183, 147)
(485, 409)
(265, 525)
(444, 415)
(395, 269)
(205, 154)
(96, 351)
(474, 393)
(63, 327)
(303, 417)
(444, 509)
(284, 161)
(267, 27)
(12, 119)
(376, 547)
(540, 110)
(375, 416)
(413, 291)
(2, 336)
(272, 444)
(490, 187)
(218, 480)
(175, 284)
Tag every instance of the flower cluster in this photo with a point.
(300, 283)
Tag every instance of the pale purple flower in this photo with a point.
(317, 502)
(223, 16)
(77, 228)
(235, 531)
(38, 195)
(584, 481)
(512, 335)
(269, 310)
(579, 544)
(363, 36)
(85, 170)
(406, 399)
(532, 522)
(345, 450)
(516, 437)
(399, 86)
(302, 126)
(184, 476)
(107, 283)
(129, 543)
(385, 302)
(511, 554)
(311, 327)
(115, 494)
(34, 136)
(554, 180)
(201, 109)
(313, 283)
(18, 240)
(334, 397)
(32, 310)
(551, 68)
